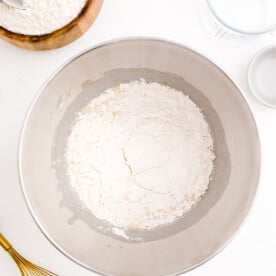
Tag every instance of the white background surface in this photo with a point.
(253, 251)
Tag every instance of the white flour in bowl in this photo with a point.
(41, 16)
(140, 155)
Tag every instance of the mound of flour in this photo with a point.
(140, 155)
(41, 16)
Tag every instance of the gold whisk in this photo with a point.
(26, 268)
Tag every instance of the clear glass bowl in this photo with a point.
(250, 17)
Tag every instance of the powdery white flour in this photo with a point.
(140, 155)
(41, 16)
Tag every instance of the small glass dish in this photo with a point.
(246, 17)
(261, 76)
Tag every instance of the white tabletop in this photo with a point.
(22, 72)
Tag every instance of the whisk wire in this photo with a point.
(26, 267)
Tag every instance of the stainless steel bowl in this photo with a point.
(172, 249)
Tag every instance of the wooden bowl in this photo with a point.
(58, 38)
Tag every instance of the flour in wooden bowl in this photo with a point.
(41, 16)
(140, 155)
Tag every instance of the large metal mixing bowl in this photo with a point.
(169, 250)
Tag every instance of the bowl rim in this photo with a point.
(66, 63)
(258, 56)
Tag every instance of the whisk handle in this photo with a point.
(4, 243)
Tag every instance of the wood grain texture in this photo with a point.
(59, 38)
